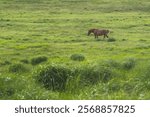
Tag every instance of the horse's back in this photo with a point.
(103, 31)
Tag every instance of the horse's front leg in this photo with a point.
(96, 36)
(104, 37)
(107, 36)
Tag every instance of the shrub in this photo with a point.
(37, 60)
(111, 39)
(77, 57)
(129, 63)
(17, 67)
(53, 77)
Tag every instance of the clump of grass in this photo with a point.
(5, 63)
(39, 59)
(24, 61)
(17, 67)
(114, 87)
(111, 39)
(77, 57)
(144, 78)
(124, 39)
(128, 87)
(95, 74)
(142, 40)
(53, 77)
(8, 86)
(143, 47)
(112, 63)
(129, 63)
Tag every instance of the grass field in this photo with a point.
(45, 52)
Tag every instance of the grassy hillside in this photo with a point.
(45, 52)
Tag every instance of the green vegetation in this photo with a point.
(77, 57)
(17, 67)
(37, 60)
(53, 77)
(111, 39)
(41, 42)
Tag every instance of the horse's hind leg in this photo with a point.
(95, 37)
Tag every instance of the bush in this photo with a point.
(111, 39)
(129, 63)
(53, 77)
(37, 60)
(77, 57)
(17, 67)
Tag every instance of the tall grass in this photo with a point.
(10, 86)
(53, 77)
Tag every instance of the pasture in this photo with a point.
(45, 52)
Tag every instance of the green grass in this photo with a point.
(57, 29)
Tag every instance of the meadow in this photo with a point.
(45, 52)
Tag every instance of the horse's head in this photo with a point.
(90, 31)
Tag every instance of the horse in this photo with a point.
(98, 32)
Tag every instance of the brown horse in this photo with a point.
(98, 32)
